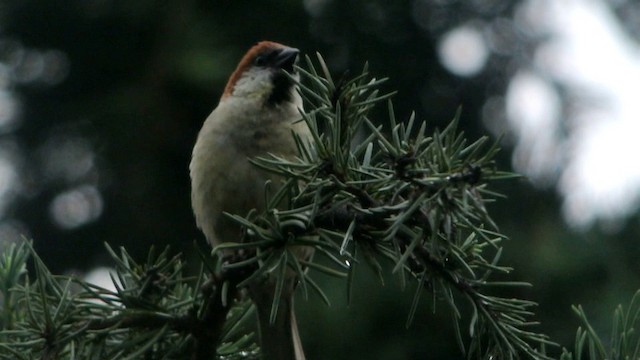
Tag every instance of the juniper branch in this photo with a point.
(154, 310)
(412, 199)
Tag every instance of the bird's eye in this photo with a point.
(260, 60)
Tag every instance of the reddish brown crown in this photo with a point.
(246, 62)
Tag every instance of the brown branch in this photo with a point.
(341, 218)
(208, 331)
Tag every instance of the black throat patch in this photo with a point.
(282, 89)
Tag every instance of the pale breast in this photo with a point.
(223, 179)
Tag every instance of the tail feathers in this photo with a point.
(278, 340)
(297, 344)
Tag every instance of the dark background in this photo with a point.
(109, 96)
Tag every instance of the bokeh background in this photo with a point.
(101, 101)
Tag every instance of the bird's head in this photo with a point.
(260, 74)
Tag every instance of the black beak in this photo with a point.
(286, 58)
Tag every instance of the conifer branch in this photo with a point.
(384, 192)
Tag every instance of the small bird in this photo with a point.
(256, 115)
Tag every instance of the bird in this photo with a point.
(256, 115)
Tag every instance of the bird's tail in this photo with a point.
(278, 340)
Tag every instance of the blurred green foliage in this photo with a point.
(138, 78)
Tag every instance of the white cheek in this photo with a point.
(253, 83)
